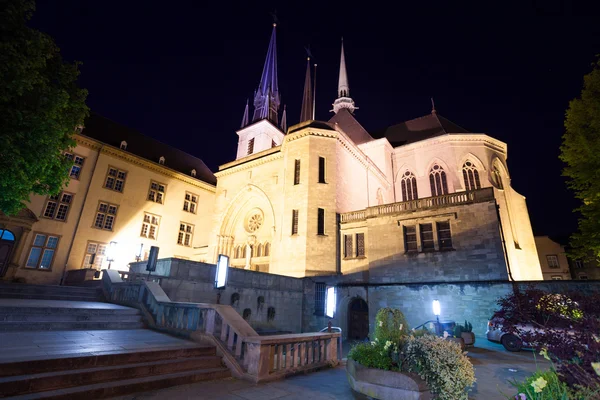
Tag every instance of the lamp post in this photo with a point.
(110, 253)
(437, 311)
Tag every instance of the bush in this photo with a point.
(442, 364)
(541, 385)
(371, 355)
(390, 324)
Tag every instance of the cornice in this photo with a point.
(310, 132)
(495, 144)
(142, 162)
(249, 164)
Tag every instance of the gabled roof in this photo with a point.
(112, 133)
(351, 127)
(417, 129)
(311, 124)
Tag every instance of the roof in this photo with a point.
(311, 124)
(351, 127)
(417, 129)
(112, 133)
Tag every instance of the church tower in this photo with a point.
(264, 131)
(343, 100)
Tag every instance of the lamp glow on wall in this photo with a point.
(330, 300)
(110, 252)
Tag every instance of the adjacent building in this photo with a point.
(553, 259)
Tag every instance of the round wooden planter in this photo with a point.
(469, 338)
(386, 385)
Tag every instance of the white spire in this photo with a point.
(344, 100)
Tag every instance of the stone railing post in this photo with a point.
(332, 349)
(210, 321)
(258, 358)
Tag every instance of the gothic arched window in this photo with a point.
(497, 177)
(409, 186)
(267, 249)
(437, 181)
(471, 176)
(259, 250)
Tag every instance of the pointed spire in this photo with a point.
(344, 100)
(284, 120)
(245, 117)
(307, 98)
(314, 93)
(433, 111)
(266, 98)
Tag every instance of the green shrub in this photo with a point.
(422, 332)
(458, 330)
(391, 325)
(542, 385)
(371, 355)
(442, 364)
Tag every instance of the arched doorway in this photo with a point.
(358, 319)
(7, 242)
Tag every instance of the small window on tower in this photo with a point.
(297, 172)
(321, 221)
(251, 146)
(322, 170)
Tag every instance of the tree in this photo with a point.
(580, 150)
(40, 107)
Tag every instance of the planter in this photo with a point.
(459, 340)
(386, 385)
(469, 338)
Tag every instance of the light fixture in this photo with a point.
(436, 308)
(221, 273)
(110, 253)
(330, 301)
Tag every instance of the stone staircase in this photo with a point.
(48, 292)
(108, 375)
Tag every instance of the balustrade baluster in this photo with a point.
(224, 327)
(289, 358)
(280, 362)
(238, 346)
(230, 339)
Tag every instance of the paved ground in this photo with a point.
(93, 305)
(37, 345)
(494, 367)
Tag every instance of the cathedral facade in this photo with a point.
(422, 201)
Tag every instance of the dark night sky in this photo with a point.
(181, 71)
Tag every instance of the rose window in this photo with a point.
(254, 222)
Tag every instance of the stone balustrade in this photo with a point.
(254, 357)
(473, 196)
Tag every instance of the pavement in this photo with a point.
(39, 345)
(87, 305)
(494, 369)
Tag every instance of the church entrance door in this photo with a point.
(358, 319)
(7, 242)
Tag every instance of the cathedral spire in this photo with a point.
(245, 117)
(343, 100)
(307, 98)
(266, 97)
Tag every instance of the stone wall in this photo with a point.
(190, 281)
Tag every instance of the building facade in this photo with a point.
(422, 201)
(553, 259)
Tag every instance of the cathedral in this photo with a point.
(421, 201)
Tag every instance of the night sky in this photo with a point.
(181, 72)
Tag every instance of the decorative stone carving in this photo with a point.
(254, 220)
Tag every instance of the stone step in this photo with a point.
(125, 386)
(11, 326)
(68, 317)
(66, 311)
(23, 384)
(41, 296)
(102, 360)
(9, 287)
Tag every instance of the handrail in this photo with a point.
(248, 355)
(468, 197)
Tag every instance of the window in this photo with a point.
(409, 186)
(95, 253)
(360, 245)
(150, 226)
(471, 176)
(579, 264)
(444, 235)
(437, 181)
(77, 165)
(583, 277)
(156, 192)
(123, 145)
(497, 177)
(115, 179)
(251, 146)
(552, 261)
(322, 170)
(347, 246)
(556, 278)
(42, 251)
(105, 216)
(267, 249)
(320, 221)
(294, 222)
(161, 160)
(190, 204)
(297, 172)
(186, 232)
(410, 238)
(57, 207)
(426, 237)
(320, 298)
